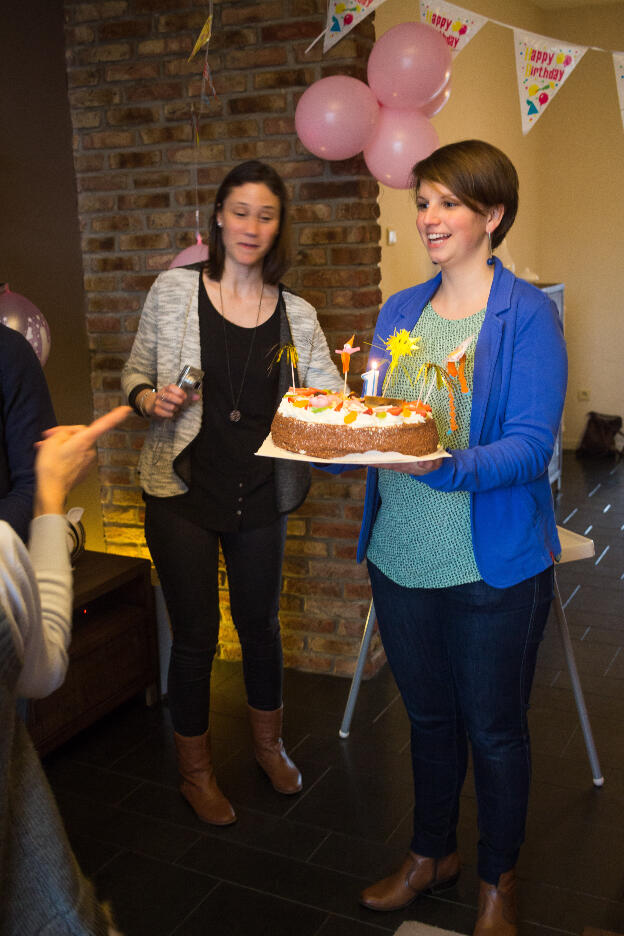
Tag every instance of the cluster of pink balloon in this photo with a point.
(409, 72)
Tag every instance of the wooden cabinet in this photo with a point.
(113, 653)
(555, 292)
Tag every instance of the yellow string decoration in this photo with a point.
(441, 379)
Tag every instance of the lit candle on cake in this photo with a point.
(371, 380)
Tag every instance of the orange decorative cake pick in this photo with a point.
(345, 356)
(456, 363)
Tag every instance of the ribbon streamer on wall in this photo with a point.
(458, 26)
(539, 79)
(203, 40)
(198, 251)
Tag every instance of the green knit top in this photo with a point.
(421, 537)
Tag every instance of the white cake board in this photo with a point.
(270, 450)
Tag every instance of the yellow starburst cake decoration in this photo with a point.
(399, 344)
(291, 356)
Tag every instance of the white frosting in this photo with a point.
(332, 417)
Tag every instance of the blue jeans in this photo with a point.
(463, 659)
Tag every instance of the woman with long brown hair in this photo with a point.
(203, 485)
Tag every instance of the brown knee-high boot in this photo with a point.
(266, 728)
(198, 784)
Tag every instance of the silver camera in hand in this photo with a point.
(190, 378)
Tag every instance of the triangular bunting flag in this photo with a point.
(342, 16)
(618, 64)
(458, 26)
(542, 66)
(203, 38)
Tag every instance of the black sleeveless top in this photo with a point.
(230, 487)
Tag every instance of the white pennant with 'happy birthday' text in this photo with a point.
(458, 26)
(342, 16)
(542, 66)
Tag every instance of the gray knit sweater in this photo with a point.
(42, 890)
(168, 338)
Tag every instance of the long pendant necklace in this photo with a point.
(235, 413)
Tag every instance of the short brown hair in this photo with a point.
(277, 260)
(479, 174)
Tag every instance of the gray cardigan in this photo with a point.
(168, 338)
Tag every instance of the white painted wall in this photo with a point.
(570, 227)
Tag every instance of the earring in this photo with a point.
(220, 224)
(490, 259)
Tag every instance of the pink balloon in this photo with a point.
(435, 105)
(336, 117)
(401, 139)
(193, 254)
(409, 65)
(19, 313)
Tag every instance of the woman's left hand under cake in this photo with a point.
(324, 424)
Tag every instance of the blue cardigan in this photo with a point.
(520, 375)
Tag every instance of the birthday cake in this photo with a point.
(324, 424)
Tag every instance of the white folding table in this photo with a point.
(573, 547)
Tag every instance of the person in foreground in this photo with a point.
(43, 889)
(460, 550)
(25, 412)
(203, 485)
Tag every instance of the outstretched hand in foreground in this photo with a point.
(64, 457)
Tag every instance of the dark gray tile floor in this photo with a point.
(294, 866)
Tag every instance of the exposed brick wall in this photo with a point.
(131, 91)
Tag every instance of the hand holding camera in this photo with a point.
(167, 402)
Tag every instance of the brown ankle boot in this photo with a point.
(417, 875)
(498, 914)
(266, 729)
(198, 784)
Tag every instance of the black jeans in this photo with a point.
(186, 557)
(463, 659)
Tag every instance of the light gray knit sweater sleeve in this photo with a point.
(141, 366)
(36, 594)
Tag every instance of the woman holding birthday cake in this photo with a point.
(460, 550)
(203, 486)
